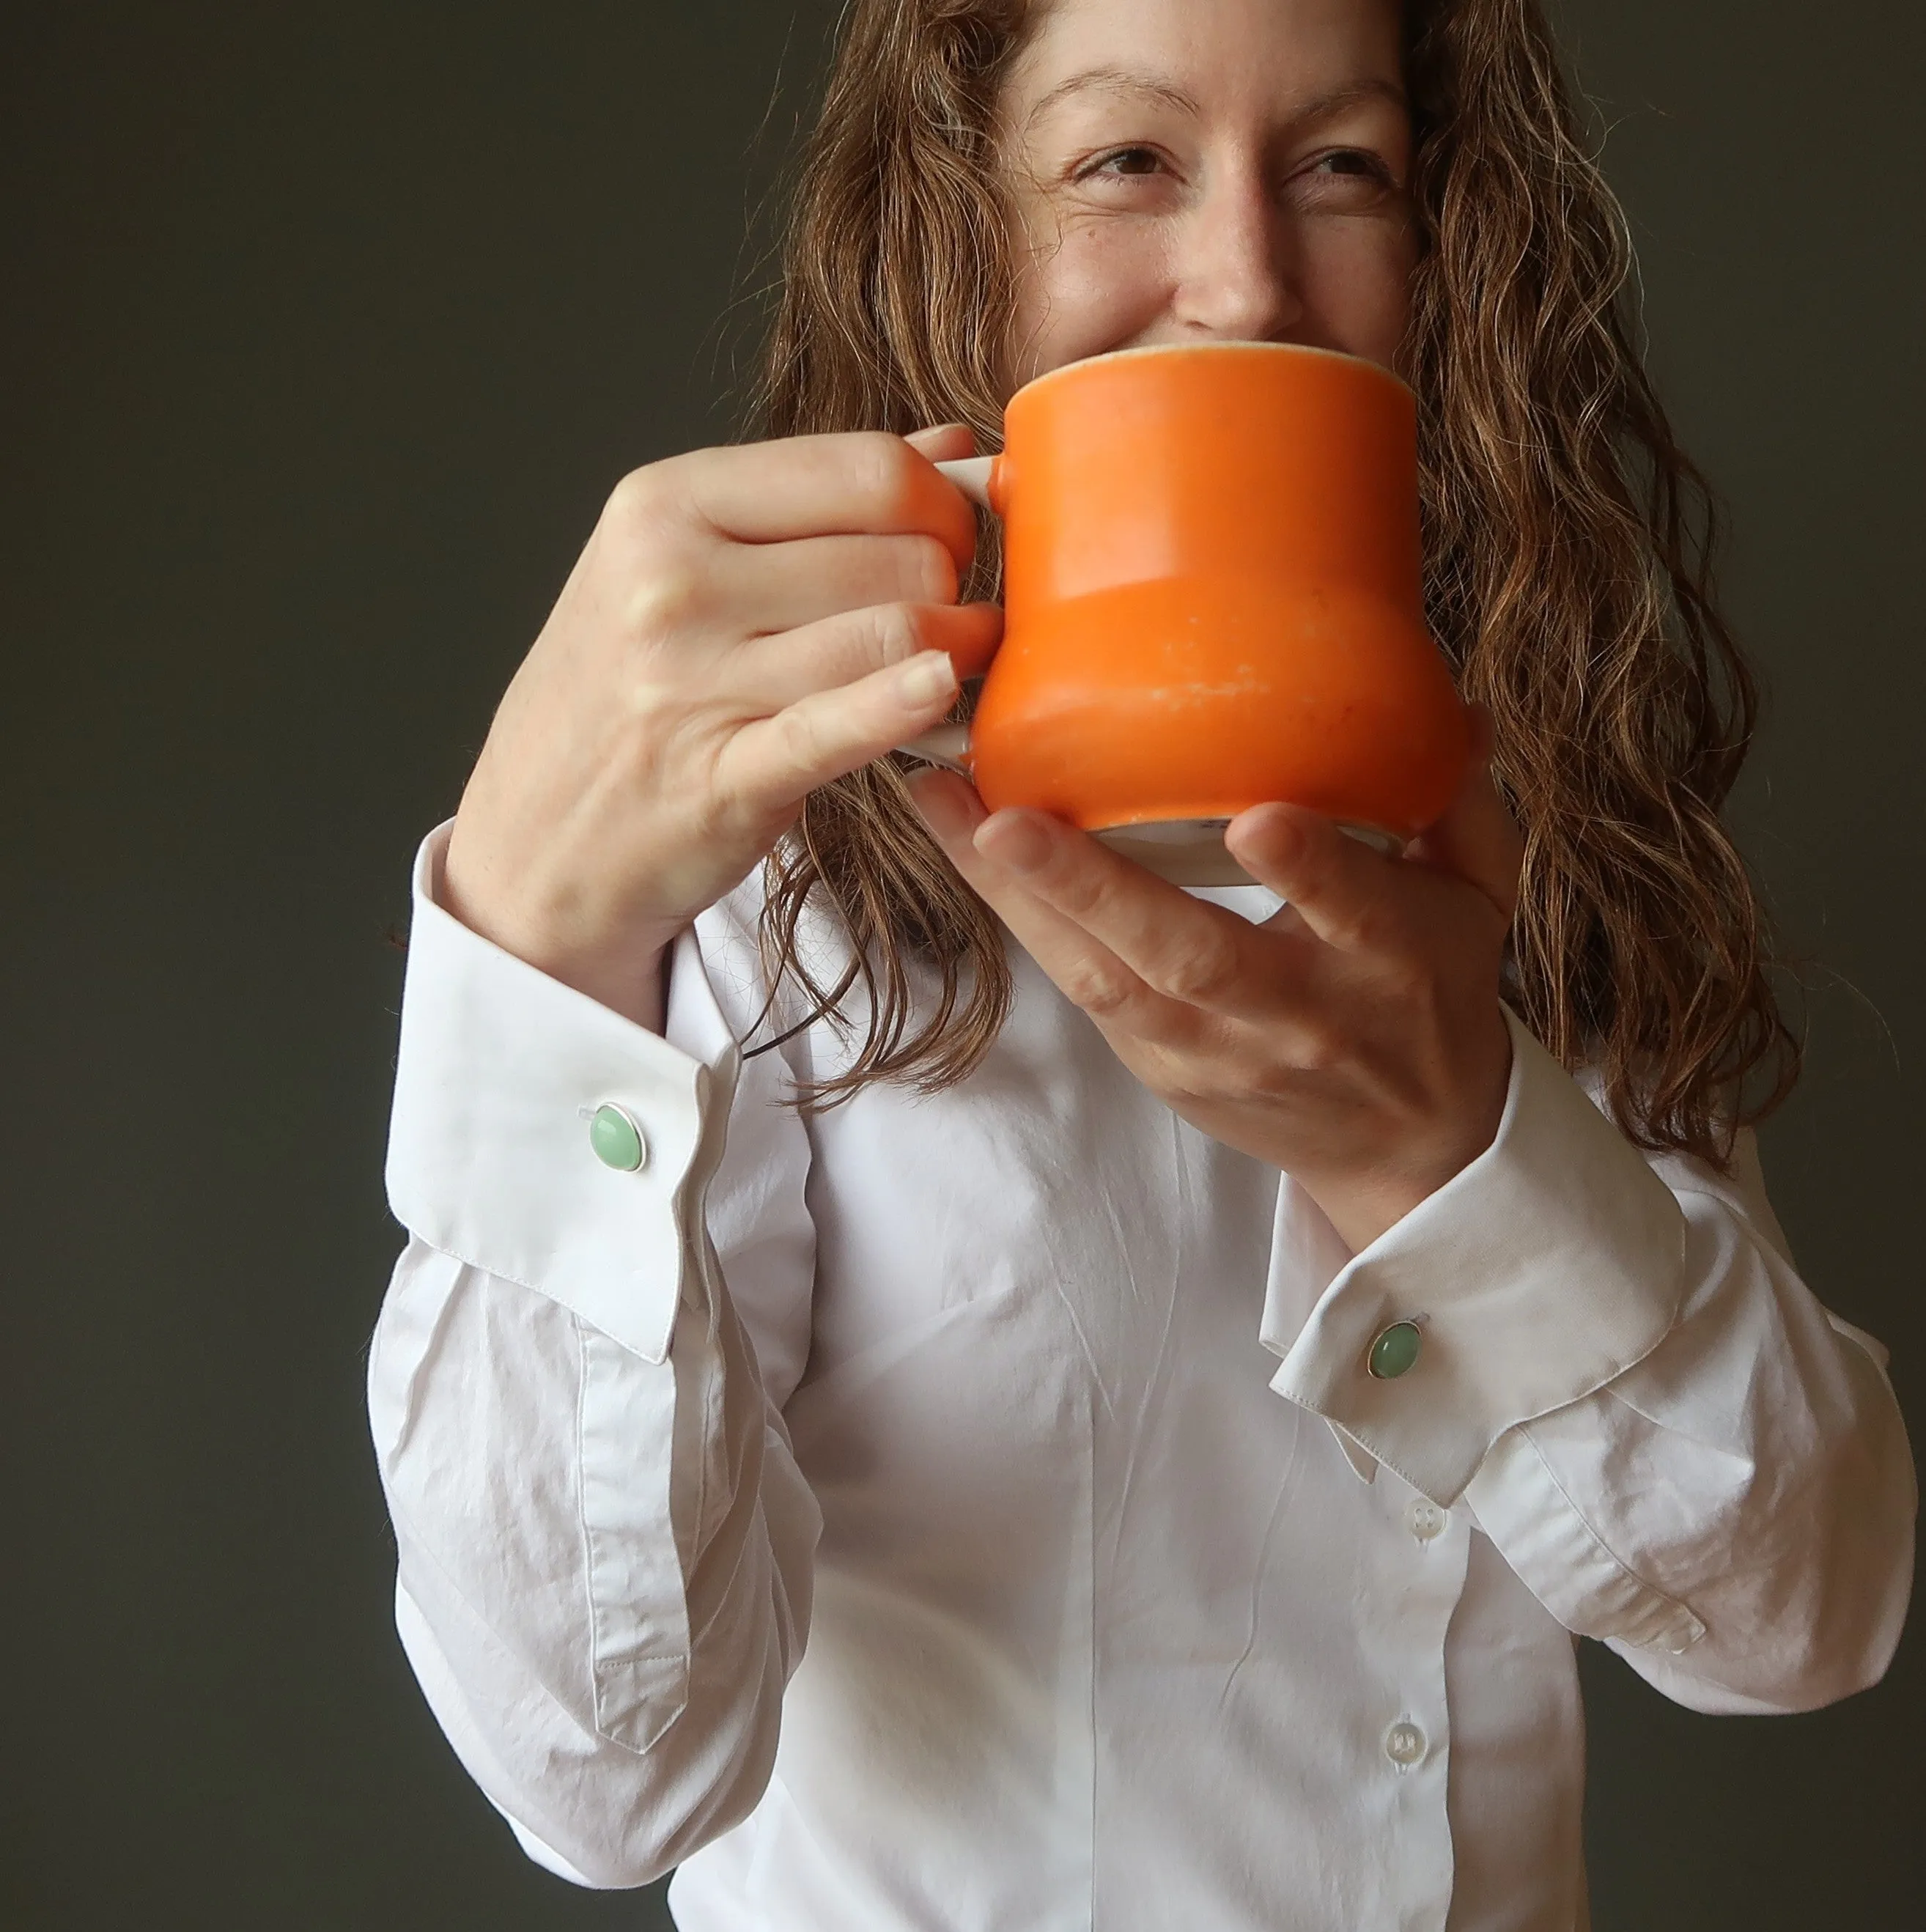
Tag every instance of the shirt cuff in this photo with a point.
(489, 1157)
(1552, 1264)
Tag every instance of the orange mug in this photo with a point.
(1212, 599)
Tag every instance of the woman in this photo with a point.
(878, 1404)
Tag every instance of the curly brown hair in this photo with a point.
(1568, 552)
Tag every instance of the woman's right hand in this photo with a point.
(745, 625)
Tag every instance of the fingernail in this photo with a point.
(940, 809)
(1275, 832)
(926, 677)
(1285, 834)
(1014, 840)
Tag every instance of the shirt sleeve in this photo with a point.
(605, 1547)
(1620, 1375)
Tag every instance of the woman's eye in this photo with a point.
(1354, 162)
(1346, 181)
(1124, 161)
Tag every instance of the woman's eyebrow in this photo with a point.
(1115, 80)
(1129, 83)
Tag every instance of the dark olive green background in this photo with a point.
(325, 330)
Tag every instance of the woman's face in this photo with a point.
(1206, 170)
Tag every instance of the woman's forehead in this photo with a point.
(1188, 55)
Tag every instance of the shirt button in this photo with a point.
(1427, 1519)
(616, 1139)
(1404, 1744)
(1395, 1351)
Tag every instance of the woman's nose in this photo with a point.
(1234, 274)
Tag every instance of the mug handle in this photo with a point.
(971, 474)
(949, 744)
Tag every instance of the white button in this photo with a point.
(1427, 1519)
(1404, 1744)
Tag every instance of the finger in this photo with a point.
(1186, 949)
(946, 443)
(1477, 838)
(773, 763)
(768, 674)
(1085, 971)
(949, 805)
(867, 483)
(1343, 891)
(943, 442)
(1182, 949)
(780, 587)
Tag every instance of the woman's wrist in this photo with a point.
(1362, 1206)
(1362, 1202)
(626, 973)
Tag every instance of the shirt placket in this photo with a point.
(1422, 1554)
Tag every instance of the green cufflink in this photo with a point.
(1395, 1351)
(616, 1139)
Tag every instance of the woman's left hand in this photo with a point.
(1355, 1040)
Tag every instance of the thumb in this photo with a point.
(1336, 884)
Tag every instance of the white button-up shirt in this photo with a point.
(975, 1511)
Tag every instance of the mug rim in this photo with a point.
(1211, 349)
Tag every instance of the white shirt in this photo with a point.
(973, 1511)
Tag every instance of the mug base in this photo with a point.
(1191, 851)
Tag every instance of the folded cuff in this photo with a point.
(1552, 1264)
(489, 1157)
